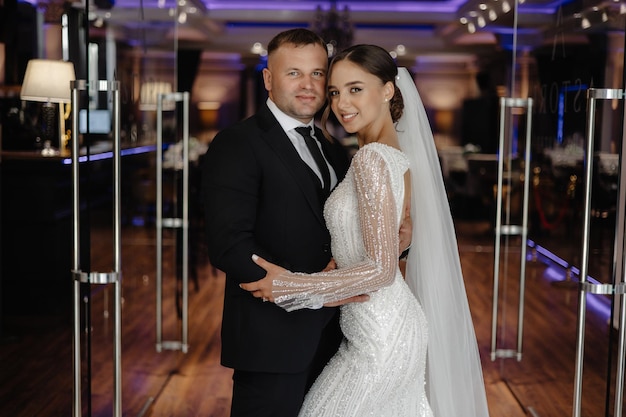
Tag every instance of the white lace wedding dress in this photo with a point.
(380, 366)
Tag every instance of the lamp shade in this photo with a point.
(149, 95)
(48, 80)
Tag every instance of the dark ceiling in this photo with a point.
(424, 28)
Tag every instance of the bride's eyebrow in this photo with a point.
(350, 84)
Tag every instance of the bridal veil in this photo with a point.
(454, 380)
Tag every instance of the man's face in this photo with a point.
(295, 79)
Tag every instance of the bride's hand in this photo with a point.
(263, 287)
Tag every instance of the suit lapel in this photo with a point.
(276, 138)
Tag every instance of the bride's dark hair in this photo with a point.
(376, 61)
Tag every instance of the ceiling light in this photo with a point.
(481, 21)
(506, 7)
(257, 48)
(492, 15)
(463, 20)
(482, 6)
(471, 28)
(585, 24)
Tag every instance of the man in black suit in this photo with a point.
(264, 194)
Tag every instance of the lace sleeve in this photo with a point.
(378, 220)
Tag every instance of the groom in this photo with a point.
(263, 193)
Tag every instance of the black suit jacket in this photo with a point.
(261, 198)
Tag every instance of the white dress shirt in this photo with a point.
(289, 125)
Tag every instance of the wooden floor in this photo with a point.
(36, 377)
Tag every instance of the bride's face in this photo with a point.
(359, 100)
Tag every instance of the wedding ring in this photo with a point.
(264, 299)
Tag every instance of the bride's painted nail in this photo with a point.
(254, 257)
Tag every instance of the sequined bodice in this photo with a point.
(342, 207)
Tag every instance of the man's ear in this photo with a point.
(267, 79)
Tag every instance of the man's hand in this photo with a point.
(263, 288)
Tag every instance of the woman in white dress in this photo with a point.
(410, 350)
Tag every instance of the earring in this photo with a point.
(386, 100)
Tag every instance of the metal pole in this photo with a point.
(582, 299)
(173, 223)
(117, 347)
(593, 94)
(159, 224)
(620, 274)
(185, 313)
(76, 260)
(93, 278)
(498, 233)
(510, 229)
(524, 242)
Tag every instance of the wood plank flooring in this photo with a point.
(36, 353)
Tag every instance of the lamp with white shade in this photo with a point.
(150, 92)
(48, 81)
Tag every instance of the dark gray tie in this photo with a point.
(311, 143)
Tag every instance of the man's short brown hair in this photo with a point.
(297, 37)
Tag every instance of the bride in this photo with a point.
(410, 350)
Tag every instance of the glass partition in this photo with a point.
(581, 49)
(139, 48)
